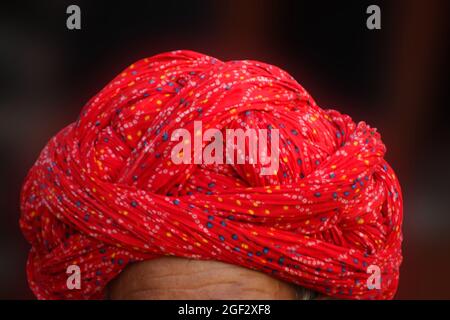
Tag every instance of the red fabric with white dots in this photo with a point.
(104, 192)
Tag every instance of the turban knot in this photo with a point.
(106, 192)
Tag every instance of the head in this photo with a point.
(147, 172)
(188, 279)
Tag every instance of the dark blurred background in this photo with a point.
(395, 78)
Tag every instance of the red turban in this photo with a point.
(104, 192)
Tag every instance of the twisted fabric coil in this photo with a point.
(104, 192)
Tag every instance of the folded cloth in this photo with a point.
(105, 192)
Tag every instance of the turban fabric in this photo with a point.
(105, 193)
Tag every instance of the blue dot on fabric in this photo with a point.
(332, 175)
(176, 202)
(210, 217)
(265, 250)
(317, 194)
(234, 237)
(221, 238)
(165, 136)
(346, 193)
(209, 225)
(133, 204)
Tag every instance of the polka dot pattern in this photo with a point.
(104, 192)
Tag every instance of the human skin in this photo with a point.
(184, 279)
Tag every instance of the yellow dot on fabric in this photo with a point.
(333, 166)
(269, 191)
(129, 137)
(285, 207)
(277, 187)
(198, 244)
(33, 213)
(123, 74)
(219, 199)
(366, 162)
(139, 133)
(131, 83)
(94, 190)
(162, 77)
(158, 102)
(355, 143)
(147, 118)
(133, 107)
(285, 159)
(251, 211)
(267, 211)
(168, 234)
(360, 221)
(238, 202)
(244, 245)
(307, 222)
